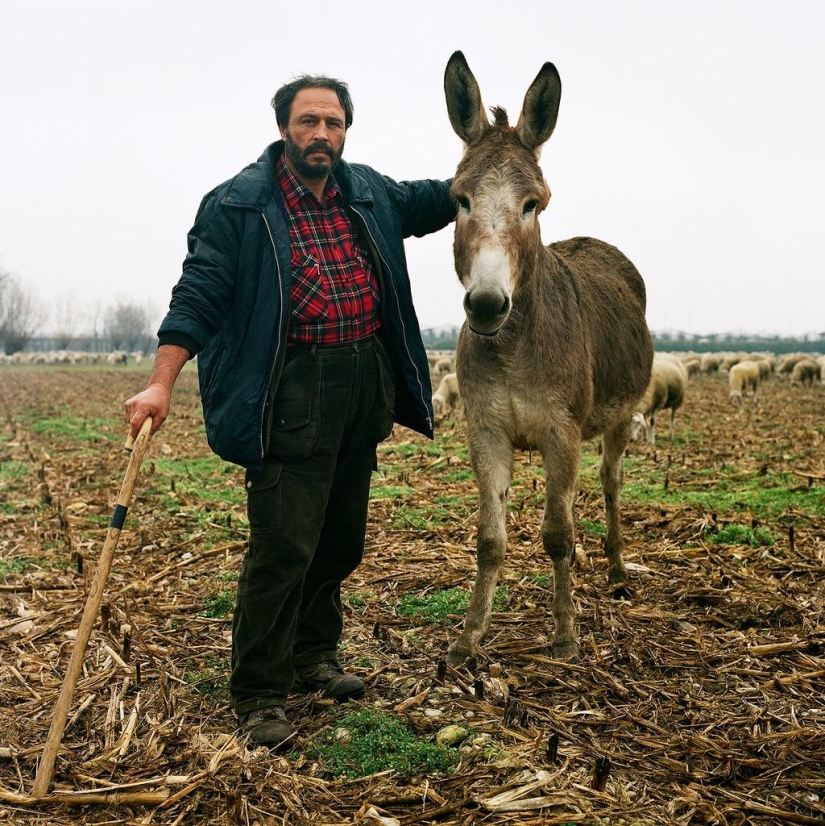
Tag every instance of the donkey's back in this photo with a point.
(611, 302)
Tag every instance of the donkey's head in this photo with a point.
(499, 189)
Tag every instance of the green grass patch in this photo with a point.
(742, 535)
(422, 519)
(14, 470)
(437, 607)
(219, 605)
(593, 528)
(365, 742)
(463, 475)
(390, 491)
(406, 450)
(209, 678)
(14, 567)
(8, 567)
(359, 599)
(70, 429)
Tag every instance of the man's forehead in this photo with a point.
(316, 98)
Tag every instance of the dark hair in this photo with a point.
(282, 100)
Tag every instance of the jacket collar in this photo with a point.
(254, 187)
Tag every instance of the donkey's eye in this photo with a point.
(530, 206)
(464, 202)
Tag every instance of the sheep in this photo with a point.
(443, 367)
(807, 372)
(117, 357)
(743, 376)
(692, 365)
(447, 397)
(789, 361)
(710, 363)
(765, 368)
(666, 390)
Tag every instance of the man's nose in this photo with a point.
(321, 132)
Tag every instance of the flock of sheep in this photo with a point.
(668, 381)
(74, 357)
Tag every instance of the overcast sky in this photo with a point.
(690, 135)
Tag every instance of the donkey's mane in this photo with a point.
(499, 116)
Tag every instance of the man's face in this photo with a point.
(315, 135)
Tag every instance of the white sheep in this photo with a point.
(447, 397)
(789, 361)
(710, 363)
(443, 367)
(806, 371)
(743, 376)
(666, 391)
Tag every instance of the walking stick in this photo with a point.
(45, 771)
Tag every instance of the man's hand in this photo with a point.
(156, 399)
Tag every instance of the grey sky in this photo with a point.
(690, 135)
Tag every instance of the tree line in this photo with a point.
(446, 338)
(69, 324)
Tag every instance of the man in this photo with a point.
(296, 299)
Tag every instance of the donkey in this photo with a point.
(555, 348)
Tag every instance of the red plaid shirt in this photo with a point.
(334, 293)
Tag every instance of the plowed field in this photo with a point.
(698, 697)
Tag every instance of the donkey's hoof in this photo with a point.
(458, 655)
(566, 651)
(617, 576)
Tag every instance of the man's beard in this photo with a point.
(300, 160)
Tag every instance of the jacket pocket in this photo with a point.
(385, 403)
(296, 410)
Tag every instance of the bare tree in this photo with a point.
(20, 314)
(66, 318)
(128, 326)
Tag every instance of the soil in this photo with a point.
(697, 698)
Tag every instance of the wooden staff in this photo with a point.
(45, 772)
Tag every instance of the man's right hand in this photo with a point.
(154, 401)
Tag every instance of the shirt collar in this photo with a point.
(295, 192)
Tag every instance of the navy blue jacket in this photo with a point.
(231, 304)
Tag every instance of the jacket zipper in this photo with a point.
(400, 314)
(280, 327)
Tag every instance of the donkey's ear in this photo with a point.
(541, 108)
(464, 104)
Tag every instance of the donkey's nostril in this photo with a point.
(468, 304)
(505, 305)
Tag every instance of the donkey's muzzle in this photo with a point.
(486, 310)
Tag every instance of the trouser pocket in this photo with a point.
(263, 502)
(295, 412)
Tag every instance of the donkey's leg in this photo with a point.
(561, 467)
(611, 474)
(492, 458)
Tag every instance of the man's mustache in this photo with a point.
(318, 146)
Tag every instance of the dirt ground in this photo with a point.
(698, 698)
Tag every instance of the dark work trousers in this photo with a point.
(307, 514)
